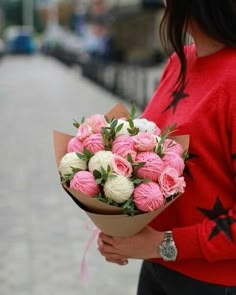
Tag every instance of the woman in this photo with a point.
(191, 247)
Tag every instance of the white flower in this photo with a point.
(71, 160)
(140, 124)
(118, 188)
(124, 129)
(101, 159)
(145, 125)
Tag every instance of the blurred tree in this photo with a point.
(12, 10)
(15, 13)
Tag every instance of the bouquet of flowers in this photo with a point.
(119, 166)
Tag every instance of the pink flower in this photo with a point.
(121, 166)
(175, 161)
(85, 182)
(94, 143)
(144, 141)
(171, 183)
(75, 145)
(148, 196)
(124, 145)
(84, 131)
(96, 122)
(171, 145)
(152, 168)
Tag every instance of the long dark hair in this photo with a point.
(215, 18)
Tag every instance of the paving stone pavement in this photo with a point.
(42, 231)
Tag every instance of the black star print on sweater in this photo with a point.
(222, 222)
(177, 96)
(186, 169)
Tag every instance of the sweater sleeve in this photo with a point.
(214, 239)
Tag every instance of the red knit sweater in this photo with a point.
(203, 219)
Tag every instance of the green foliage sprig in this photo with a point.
(77, 124)
(109, 132)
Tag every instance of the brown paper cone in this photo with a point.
(123, 225)
(109, 219)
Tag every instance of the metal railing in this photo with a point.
(132, 83)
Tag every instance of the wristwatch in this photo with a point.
(167, 249)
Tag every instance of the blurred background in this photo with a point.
(59, 61)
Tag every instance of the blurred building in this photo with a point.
(59, 11)
(135, 27)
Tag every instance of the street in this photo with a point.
(43, 233)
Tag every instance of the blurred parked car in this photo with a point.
(61, 44)
(19, 40)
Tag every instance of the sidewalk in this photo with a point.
(43, 233)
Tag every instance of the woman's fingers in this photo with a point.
(117, 261)
(104, 248)
(114, 256)
(106, 239)
(110, 254)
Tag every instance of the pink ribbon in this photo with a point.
(83, 266)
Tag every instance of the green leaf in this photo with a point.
(97, 174)
(135, 131)
(137, 181)
(68, 175)
(172, 127)
(126, 204)
(185, 155)
(113, 175)
(133, 111)
(129, 158)
(99, 181)
(108, 169)
(109, 201)
(82, 120)
(119, 127)
(105, 131)
(139, 164)
(158, 149)
(114, 123)
(76, 124)
(130, 131)
(103, 170)
(87, 153)
(131, 123)
(107, 119)
(75, 170)
(67, 178)
(64, 180)
(167, 131)
(81, 156)
(129, 207)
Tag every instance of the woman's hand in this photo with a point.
(143, 245)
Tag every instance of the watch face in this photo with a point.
(168, 252)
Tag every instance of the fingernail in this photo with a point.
(124, 262)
